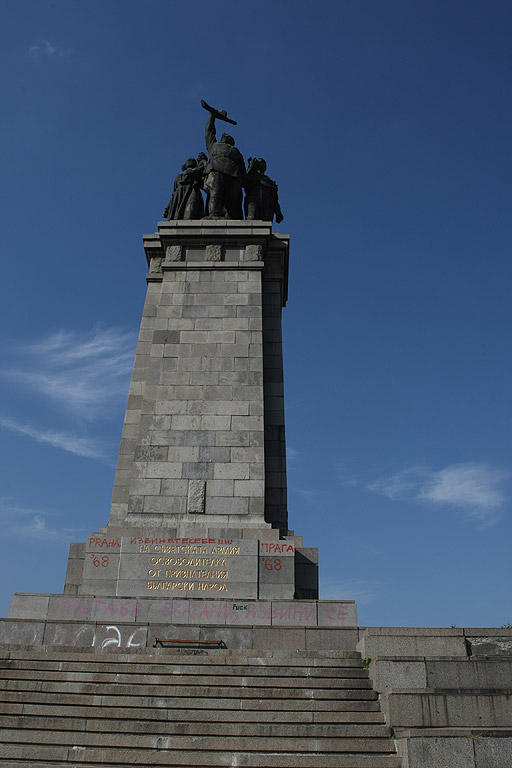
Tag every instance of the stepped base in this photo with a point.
(180, 708)
(109, 622)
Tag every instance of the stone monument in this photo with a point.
(189, 632)
(199, 506)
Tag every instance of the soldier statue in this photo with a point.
(187, 201)
(225, 172)
(261, 196)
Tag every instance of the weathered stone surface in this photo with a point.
(398, 674)
(173, 253)
(214, 253)
(21, 632)
(437, 752)
(184, 607)
(253, 253)
(120, 636)
(318, 639)
(156, 264)
(67, 633)
(195, 331)
(299, 613)
(427, 709)
(472, 674)
(28, 606)
(337, 614)
(272, 591)
(489, 645)
(284, 639)
(196, 497)
(492, 752)
(408, 641)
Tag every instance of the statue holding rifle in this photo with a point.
(223, 176)
(225, 171)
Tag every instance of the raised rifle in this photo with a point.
(218, 114)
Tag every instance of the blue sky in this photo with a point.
(387, 125)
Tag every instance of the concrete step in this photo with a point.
(52, 757)
(126, 677)
(189, 715)
(100, 723)
(176, 668)
(208, 709)
(370, 703)
(187, 691)
(216, 656)
(145, 741)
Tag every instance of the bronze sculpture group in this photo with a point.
(223, 176)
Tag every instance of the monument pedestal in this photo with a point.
(199, 507)
(203, 440)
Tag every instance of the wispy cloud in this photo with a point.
(46, 50)
(402, 484)
(18, 521)
(346, 474)
(310, 494)
(292, 454)
(474, 487)
(81, 372)
(80, 446)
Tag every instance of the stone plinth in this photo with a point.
(147, 563)
(203, 438)
(181, 610)
(199, 504)
(199, 508)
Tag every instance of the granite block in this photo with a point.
(120, 636)
(225, 505)
(198, 470)
(274, 591)
(276, 570)
(440, 753)
(165, 471)
(491, 752)
(279, 639)
(291, 614)
(214, 454)
(220, 423)
(449, 709)
(79, 634)
(318, 639)
(160, 505)
(231, 471)
(387, 675)
(257, 472)
(219, 488)
(29, 606)
(233, 637)
(252, 488)
(196, 496)
(480, 673)
(21, 632)
(100, 586)
(336, 614)
(233, 438)
(421, 644)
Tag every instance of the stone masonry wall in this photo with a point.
(205, 409)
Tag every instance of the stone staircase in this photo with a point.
(171, 707)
